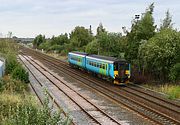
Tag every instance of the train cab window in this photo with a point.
(126, 66)
(115, 66)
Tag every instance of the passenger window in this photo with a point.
(98, 65)
(95, 64)
(103, 66)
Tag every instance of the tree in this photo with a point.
(93, 47)
(167, 21)
(160, 53)
(110, 44)
(60, 40)
(100, 29)
(142, 29)
(38, 40)
(175, 72)
(80, 37)
(9, 35)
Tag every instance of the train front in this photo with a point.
(121, 72)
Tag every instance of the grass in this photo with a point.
(16, 109)
(57, 56)
(172, 91)
(17, 105)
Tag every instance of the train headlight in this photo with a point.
(127, 72)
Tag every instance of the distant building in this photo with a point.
(23, 40)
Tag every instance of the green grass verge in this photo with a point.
(172, 91)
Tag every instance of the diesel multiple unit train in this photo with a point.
(117, 70)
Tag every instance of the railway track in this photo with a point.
(94, 112)
(41, 97)
(161, 113)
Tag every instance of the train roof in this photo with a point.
(78, 53)
(107, 58)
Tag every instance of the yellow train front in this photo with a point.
(122, 72)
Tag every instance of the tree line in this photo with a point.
(153, 52)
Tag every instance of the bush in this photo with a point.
(19, 73)
(45, 45)
(15, 110)
(8, 46)
(12, 86)
(11, 63)
(175, 72)
(92, 47)
(1, 84)
(59, 48)
(173, 92)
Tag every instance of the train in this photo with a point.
(118, 70)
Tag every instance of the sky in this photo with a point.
(28, 18)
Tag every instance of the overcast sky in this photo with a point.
(28, 18)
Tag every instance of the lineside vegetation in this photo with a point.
(17, 106)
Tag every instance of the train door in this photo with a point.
(115, 69)
(121, 70)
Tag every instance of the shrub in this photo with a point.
(1, 84)
(8, 46)
(58, 48)
(13, 86)
(15, 110)
(11, 63)
(175, 72)
(19, 73)
(173, 92)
